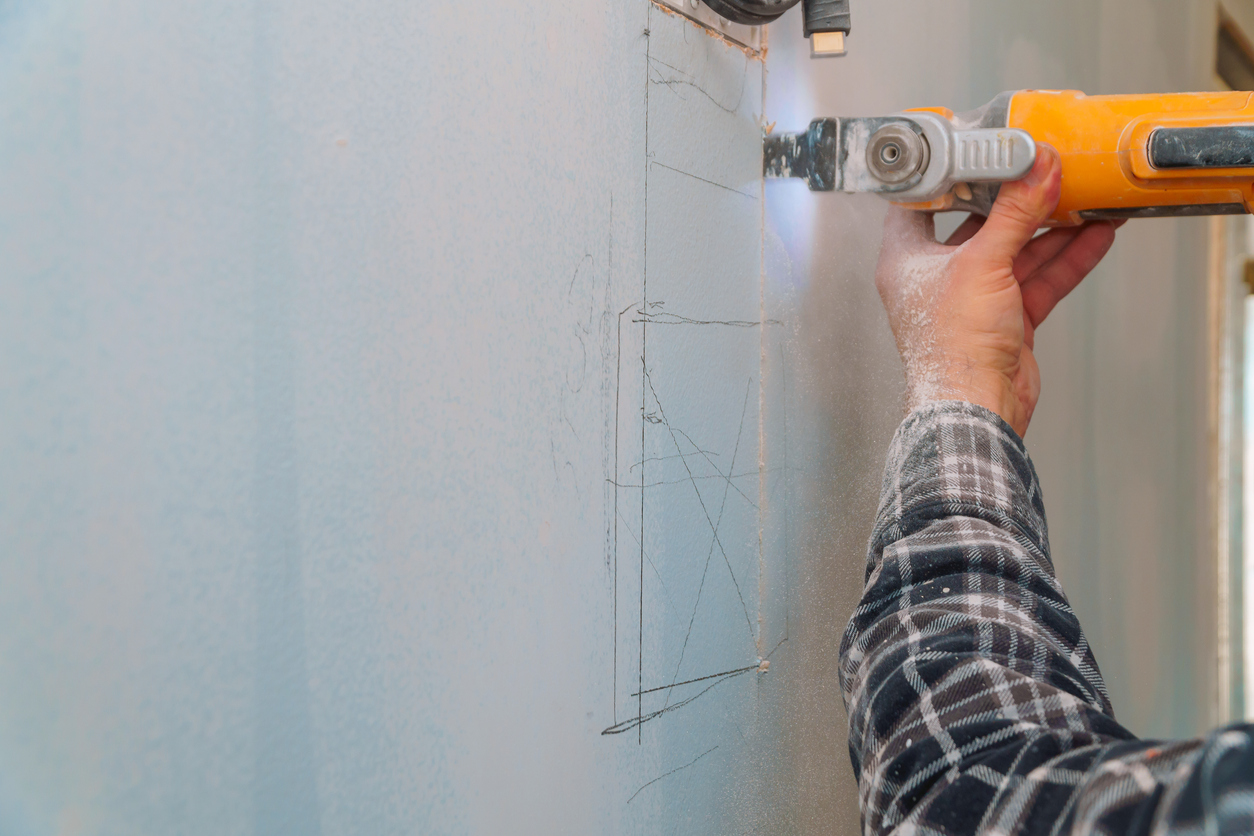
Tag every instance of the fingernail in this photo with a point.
(1046, 158)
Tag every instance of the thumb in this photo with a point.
(1022, 207)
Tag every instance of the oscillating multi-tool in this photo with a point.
(1122, 156)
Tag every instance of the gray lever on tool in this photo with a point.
(914, 157)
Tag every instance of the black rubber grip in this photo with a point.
(751, 12)
(1223, 146)
(826, 16)
(1191, 210)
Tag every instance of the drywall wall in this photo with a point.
(395, 399)
(1121, 435)
(380, 389)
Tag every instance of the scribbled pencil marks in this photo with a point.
(670, 773)
(670, 457)
(676, 81)
(685, 468)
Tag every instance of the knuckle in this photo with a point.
(1018, 206)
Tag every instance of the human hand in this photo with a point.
(965, 312)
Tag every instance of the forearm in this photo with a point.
(964, 663)
(960, 545)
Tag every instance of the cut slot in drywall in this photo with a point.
(750, 38)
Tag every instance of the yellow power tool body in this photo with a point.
(1170, 155)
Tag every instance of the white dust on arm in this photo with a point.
(917, 280)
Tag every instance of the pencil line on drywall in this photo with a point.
(762, 363)
(644, 371)
(618, 387)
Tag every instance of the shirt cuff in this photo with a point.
(952, 458)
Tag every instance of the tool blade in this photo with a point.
(810, 156)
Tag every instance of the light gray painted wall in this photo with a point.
(336, 342)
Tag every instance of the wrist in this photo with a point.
(988, 389)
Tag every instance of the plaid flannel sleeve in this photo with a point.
(975, 703)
